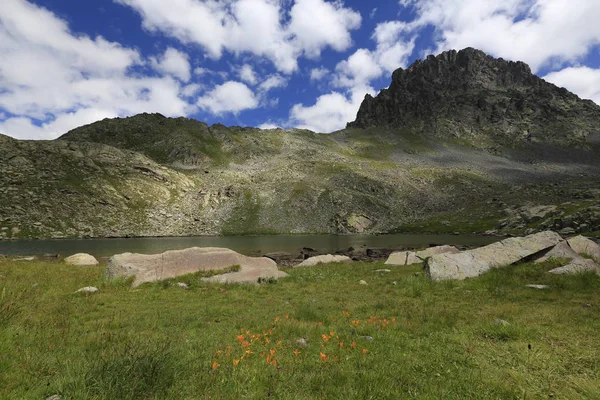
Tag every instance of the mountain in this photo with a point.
(441, 150)
(488, 102)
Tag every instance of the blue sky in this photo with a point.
(267, 63)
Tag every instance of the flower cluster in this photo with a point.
(269, 347)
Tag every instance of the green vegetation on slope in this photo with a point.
(429, 340)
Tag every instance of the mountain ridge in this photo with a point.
(149, 175)
(468, 94)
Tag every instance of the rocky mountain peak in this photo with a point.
(470, 95)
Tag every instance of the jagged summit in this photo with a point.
(470, 95)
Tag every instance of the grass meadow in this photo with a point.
(398, 337)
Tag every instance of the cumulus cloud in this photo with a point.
(173, 62)
(230, 97)
(66, 80)
(394, 43)
(316, 74)
(247, 74)
(584, 81)
(330, 112)
(539, 32)
(272, 82)
(258, 27)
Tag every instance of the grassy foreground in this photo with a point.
(412, 339)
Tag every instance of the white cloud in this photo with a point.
(317, 24)
(258, 27)
(65, 80)
(355, 75)
(360, 68)
(584, 81)
(268, 125)
(173, 62)
(23, 128)
(539, 32)
(247, 74)
(230, 97)
(331, 111)
(272, 82)
(316, 74)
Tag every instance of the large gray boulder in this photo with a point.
(583, 245)
(410, 257)
(473, 263)
(577, 266)
(81, 260)
(561, 251)
(170, 264)
(324, 259)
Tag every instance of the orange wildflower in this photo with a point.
(272, 352)
(236, 362)
(248, 351)
(274, 363)
(323, 356)
(215, 365)
(219, 352)
(245, 344)
(356, 322)
(279, 343)
(276, 319)
(296, 352)
(353, 345)
(267, 340)
(325, 337)
(345, 313)
(341, 344)
(364, 351)
(287, 316)
(268, 359)
(332, 333)
(241, 338)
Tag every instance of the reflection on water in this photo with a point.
(249, 245)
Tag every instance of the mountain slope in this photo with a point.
(488, 102)
(149, 175)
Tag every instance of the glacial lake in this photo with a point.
(248, 245)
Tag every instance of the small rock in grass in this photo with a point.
(88, 289)
(25, 259)
(587, 305)
(538, 286)
(383, 270)
(81, 260)
(363, 282)
(368, 338)
(394, 283)
(183, 285)
(501, 322)
(302, 342)
(54, 397)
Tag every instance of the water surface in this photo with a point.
(249, 245)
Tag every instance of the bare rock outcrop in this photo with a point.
(157, 267)
(403, 258)
(324, 259)
(472, 263)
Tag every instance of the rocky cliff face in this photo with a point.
(490, 102)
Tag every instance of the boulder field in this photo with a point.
(540, 247)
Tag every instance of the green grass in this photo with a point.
(430, 340)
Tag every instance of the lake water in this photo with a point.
(249, 245)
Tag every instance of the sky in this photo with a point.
(263, 63)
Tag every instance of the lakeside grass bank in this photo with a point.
(410, 339)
